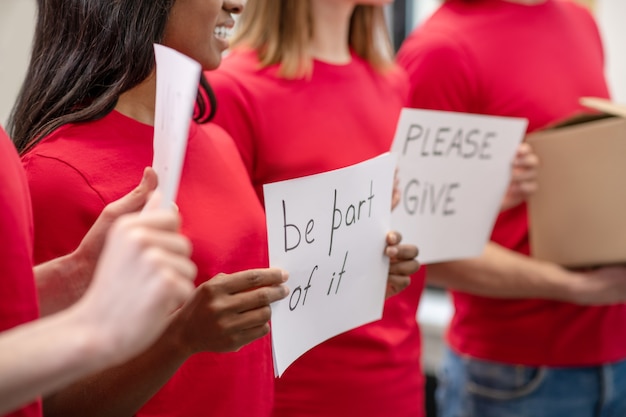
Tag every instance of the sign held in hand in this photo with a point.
(328, 230)
(177, 79)
(454, 169)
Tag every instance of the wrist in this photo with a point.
(78, 273)
(567, 288)
(90, 348)
(174, 340)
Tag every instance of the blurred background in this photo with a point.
(17, 18)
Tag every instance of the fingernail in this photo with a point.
(392, 251)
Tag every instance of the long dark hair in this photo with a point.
(85, 54)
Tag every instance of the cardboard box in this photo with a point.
(578, 215)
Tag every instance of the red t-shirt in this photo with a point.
(80, 168)
(342, 115)
(500, 58)
(18, 297)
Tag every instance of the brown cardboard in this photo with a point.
(578, 215)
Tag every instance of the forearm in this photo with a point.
(501, 273)
(43, 356)
(60, 283)
(119, 391)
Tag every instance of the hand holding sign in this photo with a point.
(454, 169)
(177, 86)
(402, 263)
(229, 310)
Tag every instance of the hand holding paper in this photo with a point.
(454, 169)
(229, 310)
(402, 263)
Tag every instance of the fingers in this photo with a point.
(229, 311)
(154, 201)
(396, 194)
(396, 284)
(406, 252)
(143, 275)
(252, 319)
(524, 189)
(177, 283)
(174, 263)
(397, 251)
(246, 336)
(260, 297)
(524, 175)
(525, 160)
(163, 220)
(403, 263)
(393, 237)
(253, 278)
(136, 199)
(404, 268)
(146, 236)
(521, 175)
(602, 286)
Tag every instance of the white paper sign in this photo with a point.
(177, 79)
(328, 230)
(454, 170)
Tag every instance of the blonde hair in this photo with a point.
(280, 32)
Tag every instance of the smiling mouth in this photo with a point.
(222, 32)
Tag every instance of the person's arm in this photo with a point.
(502, 273)
(224, 314)
(45, 355)
(62, 281)
(143, 275)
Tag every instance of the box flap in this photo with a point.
(604, 105)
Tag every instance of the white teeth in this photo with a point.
(222, 32)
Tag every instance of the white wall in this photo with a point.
(423, 8)
(17, 22)
(611, 16)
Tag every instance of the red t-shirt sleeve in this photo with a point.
(234, 115)
(440, 74)
(65, 206)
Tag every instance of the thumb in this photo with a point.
(137, 198)
(154, 201)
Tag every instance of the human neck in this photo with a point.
(331, 24)
(138, 102)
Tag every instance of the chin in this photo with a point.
(213, 64)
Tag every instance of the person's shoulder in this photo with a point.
(576, 10)
(212, 136)
(573, 6)
(432, 45)
(79, 151)
(396, 77)
(240, 67)
(445, 30)
(213, 132)
(73, 139)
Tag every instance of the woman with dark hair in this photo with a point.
(84, 125)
